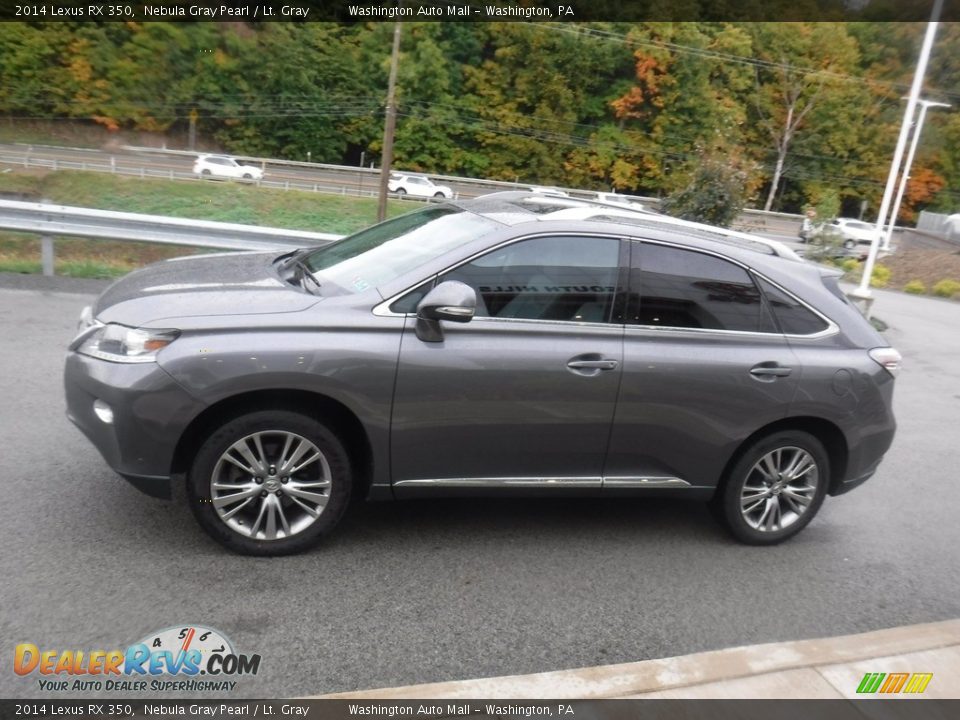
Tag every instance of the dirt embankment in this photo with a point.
(926, 265)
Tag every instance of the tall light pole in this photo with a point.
(863, 291)
(905, 177)
(390, 125)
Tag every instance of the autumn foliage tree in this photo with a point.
(813, 107)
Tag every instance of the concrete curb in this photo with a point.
(766, 663)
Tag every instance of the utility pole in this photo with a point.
(389, 126)
(917, 129)
(192, 136)
(863, 291)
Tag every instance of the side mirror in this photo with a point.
(452, 300)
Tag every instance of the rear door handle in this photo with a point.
(770, 369)
(593, 364)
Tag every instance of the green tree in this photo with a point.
(802, 91)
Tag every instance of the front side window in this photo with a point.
(687, 289)
(566, 278)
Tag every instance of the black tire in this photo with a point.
(401, 192)
(247, 176)
(849, 244)
(271, 423)
(205, 172)
(727, 503)
(440, 196)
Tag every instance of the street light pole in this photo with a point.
(863, 291)
(905, 177)
(390, 125)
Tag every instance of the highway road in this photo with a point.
(313, 177)
(435, 590)
(358, 181)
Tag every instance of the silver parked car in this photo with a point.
(497, 347)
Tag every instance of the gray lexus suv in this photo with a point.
(513, 344)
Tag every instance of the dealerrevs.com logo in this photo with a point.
(197, 658)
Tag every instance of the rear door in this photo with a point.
(523, 395)
(704, 367)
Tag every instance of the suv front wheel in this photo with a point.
(271, 482)
(776, 487)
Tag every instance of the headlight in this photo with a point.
(118, 343)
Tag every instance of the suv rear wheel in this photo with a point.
(271, 482)
(775, 488)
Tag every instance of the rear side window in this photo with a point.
(792, 317)
(687, 289)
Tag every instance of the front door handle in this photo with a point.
(593, 364)
(590, 364)
(770, 370)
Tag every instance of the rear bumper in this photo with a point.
(150, 410)
(863, 459)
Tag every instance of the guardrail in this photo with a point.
(49, 220)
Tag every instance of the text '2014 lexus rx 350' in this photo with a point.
(513, 344)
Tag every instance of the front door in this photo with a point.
(523, 395)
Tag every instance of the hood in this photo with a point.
(208, 285)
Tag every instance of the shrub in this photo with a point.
(715, 193)
(915, 287)
(946, 288)
(850, 265)
(881, 276)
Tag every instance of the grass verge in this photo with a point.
(219, 201)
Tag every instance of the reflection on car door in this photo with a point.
(523, 395)
(704, 366)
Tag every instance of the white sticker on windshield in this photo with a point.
(359, 284)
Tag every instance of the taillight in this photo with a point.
(888, 358)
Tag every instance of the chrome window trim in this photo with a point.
(831, 329)
(383, 309)
(553, 323)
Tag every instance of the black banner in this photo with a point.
(473, 10)
(900, 709)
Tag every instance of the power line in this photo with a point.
(599, 34)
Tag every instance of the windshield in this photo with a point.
(386, 251)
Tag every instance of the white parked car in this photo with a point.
(854, 232)
(225, 167)
(418, 186)
(951, 227)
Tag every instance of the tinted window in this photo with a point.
(793, 318)
(556, 278)
(688, 289)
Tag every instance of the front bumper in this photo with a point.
(150, 411)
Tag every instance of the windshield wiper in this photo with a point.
(302, 274)
(287, 259)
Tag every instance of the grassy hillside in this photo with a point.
(220, 201)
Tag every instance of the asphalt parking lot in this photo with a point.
(428, 591)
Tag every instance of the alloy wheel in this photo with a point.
(779, 489)
(270, 485)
